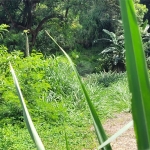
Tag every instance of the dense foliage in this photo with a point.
(54, 101)
(76, 25)
(91, 32)
(113, 56)
(40, 83)
(71, 22)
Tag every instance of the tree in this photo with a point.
(28, 15)
(99, 15)
(37, 15)
(71, 22)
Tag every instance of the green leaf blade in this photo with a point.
(117, 134)
(137, 75)
(33, 133)
(97, 124)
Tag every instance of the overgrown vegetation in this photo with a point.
(55, 102)
(93, 37)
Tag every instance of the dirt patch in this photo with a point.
(127, 140)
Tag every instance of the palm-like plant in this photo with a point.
(114, 54)
(116, 51)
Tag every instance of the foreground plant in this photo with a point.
(137, 75)
(101, 135)
(27, 118)
(138, 83)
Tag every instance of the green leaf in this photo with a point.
(137, 75)
(66, 139)
(27, 118)
(116, 135)
(109, 49)
(97, 124)
(112, 35)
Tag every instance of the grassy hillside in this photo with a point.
(55, 102)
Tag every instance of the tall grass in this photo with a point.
(34, 135)
(137, 78)
(137, 75)
(101, 135)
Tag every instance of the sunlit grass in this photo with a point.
(78, 124)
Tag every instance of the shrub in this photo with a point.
(43, 83)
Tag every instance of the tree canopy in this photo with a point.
(71, 22)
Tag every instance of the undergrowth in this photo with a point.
(55, 102)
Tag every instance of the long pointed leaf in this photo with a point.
(67, 144)
(116, 135)
(137, 75)
(97, 124)
(28, 121)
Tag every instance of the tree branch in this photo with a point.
(38, 28)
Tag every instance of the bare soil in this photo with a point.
(127, 140)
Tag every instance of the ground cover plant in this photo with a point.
(136, 84)
(54, 101)
(77, 119)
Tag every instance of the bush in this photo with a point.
(45, 83)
